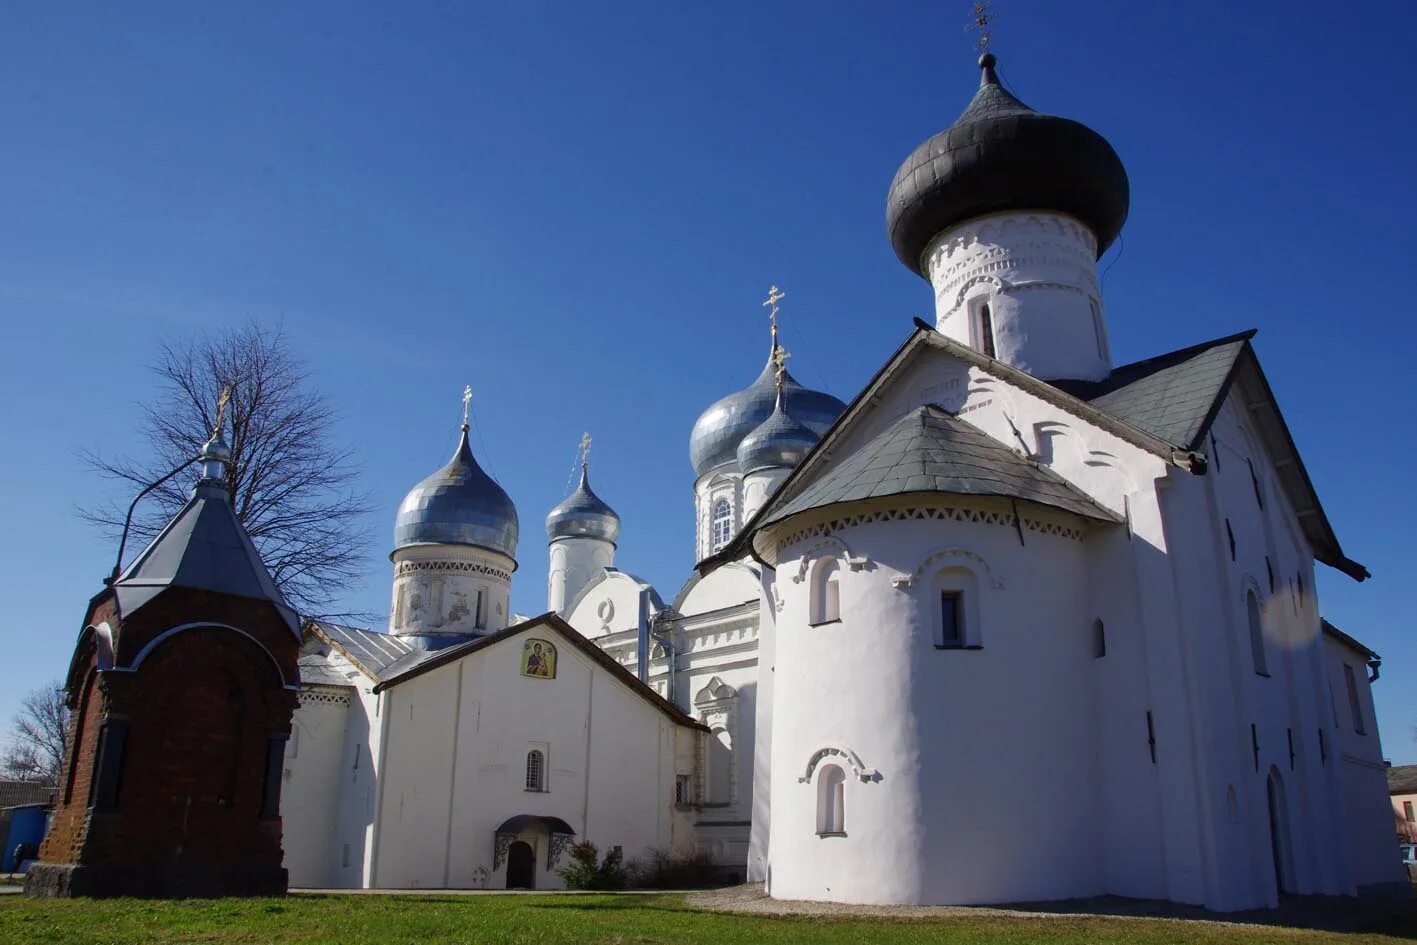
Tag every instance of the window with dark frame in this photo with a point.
(1408, 812)
(535, 771)
(986, 330)
(951, 620)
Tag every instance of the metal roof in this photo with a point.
(1402, 779)
(1002, 155)
(928, 450)
(25, 793)
(370, 650)
(458, 505)
(1173, 396)
(583, 514)
(205, 548)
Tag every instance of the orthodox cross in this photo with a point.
(221, 403)
(775, 295)
(779, 359)
(585, 449)
(981, 22)
(466, 403)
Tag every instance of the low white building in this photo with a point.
(1007, 555)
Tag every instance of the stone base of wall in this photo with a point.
(63, 880)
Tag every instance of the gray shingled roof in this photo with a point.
(1172, 396)
(206, 548)
(1402, 779)
(19, 793)
(929, 450)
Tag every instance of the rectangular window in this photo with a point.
(986, 330)
(112, 741)
(1408, 812)
(1353, 704)
(951, 620)
(682, 788)
(480, 611)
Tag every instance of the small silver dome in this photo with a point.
(721, 427)
(458, 505)
(779, 441)
(583, 515)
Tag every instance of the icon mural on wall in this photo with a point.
(539, 659)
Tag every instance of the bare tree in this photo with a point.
(291, 488)
(35, 751)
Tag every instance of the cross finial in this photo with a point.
(466, 403)
(221, 402)
(585, 449)
(981, 20)
(779, 358)
(775, 295)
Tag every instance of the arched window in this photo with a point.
(956, 609)
(722, 524)
(1252, 612)
(1097, 329)
(824, 605)
(1099, 640)
(535, 770)
(984, 325)
(831, 801)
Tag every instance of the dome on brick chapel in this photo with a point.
(458, 505)
(1001, 155)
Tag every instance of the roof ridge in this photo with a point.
(1245, 335)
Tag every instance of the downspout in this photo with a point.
(670, 652)
(1375, 664)
(642, 642)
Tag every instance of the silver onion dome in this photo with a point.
(583, 514)
(720, 428)
(458, 505)
(779, 441)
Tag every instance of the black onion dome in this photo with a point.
(1002, 155)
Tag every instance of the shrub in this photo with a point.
(584, 873)
(661, 869)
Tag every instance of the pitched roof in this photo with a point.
(1331, 631)
(23, 793)
(928, 450)
(434, 659)
(206, 548)
(1144, 403)
(1174, 396)
(1402, 779)
(372, 651)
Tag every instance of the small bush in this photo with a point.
(584, 873)
(661, 869)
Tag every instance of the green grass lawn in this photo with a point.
(552, 920)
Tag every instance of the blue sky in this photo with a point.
(576, 208)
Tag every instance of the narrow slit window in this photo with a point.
(951, 620)
(1097, 330)
(831, 801)
(825, 602)
(986, 330)
(1354, 705)
(1252, 613)
(480, 610)
(1099, 640)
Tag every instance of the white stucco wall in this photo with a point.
(1037, 272)
(457, 745)
(435, 590)
(574, 563)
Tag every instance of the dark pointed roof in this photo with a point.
(1002, 155)
(204, 548)
(928, 450)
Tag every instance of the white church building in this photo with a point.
(1048, 625)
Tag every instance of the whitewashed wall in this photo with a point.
(457, 742)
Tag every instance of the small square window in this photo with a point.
(683, 796)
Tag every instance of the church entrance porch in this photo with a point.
(517, 841)
(521, 866)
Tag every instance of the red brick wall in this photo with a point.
(200, 711)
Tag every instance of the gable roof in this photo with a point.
(1402, 779)
(1145, 403)
(370, 650)
(1329, 630)
(430, 660)
(203, 547)
(928, 450)
(1173, 396)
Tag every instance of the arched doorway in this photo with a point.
(1280, 848)
(521, 866)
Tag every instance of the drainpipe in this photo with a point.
(663, 618)
(642, 645)
(1375, 664)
